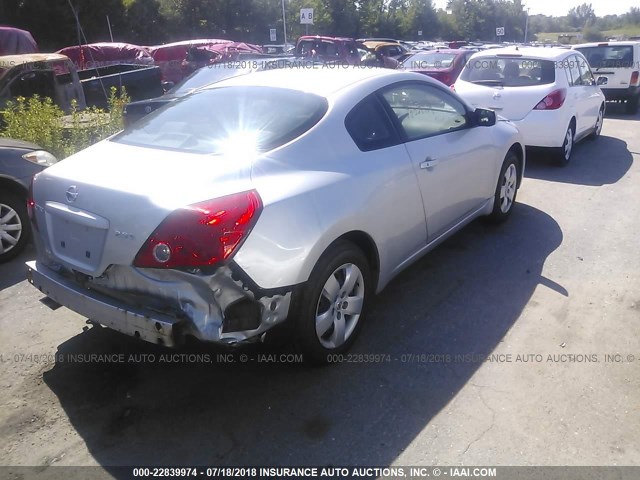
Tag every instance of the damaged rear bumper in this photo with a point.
(163, 307)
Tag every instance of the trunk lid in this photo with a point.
(98, 207)
(444, 76)
(513, 103)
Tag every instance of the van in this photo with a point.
(619, 63)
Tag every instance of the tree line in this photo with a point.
(149, 22)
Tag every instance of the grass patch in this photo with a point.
(628, 31)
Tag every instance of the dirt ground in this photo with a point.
(552, 297)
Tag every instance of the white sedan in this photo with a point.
(549, 93)
(286, 197)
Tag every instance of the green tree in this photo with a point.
(581, 15)
(143, 22)
(633, 16)
(420, 15)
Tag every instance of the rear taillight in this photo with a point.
(634, 78)
(553, 101)
(31, 207)
(203, 234)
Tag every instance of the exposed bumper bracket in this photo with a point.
(148, 325)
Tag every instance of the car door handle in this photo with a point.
(429, 163)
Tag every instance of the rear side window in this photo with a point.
(228, 120)
(369, 126)
(509, 71)
(610, 56)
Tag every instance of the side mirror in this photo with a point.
(484, 118)
(602, 81)
(27, 76)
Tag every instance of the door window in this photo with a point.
(424, 111)
(586, 77)
(574, 70)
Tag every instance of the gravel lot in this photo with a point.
(553, 296)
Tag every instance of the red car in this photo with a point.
(328, 49)
(95, 55)
(170, 57)
(444, 64)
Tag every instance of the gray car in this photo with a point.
(289, 197)
(19, 162)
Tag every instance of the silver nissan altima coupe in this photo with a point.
(283, 197)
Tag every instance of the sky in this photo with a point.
(560, 8)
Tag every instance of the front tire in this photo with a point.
(563, 154)
(506, 189)
(330, 310)
(15, 229)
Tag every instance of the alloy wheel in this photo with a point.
(508, 188)
(10, 228)
(599, 122)
(568, 144)
(340, 306)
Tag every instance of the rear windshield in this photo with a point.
(608, 56)
(430, 60)
(509, 71)
(228, 120)
(317, 47)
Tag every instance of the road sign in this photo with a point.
(419, 33)
(500, 31)
(306, 16)
(272, 34)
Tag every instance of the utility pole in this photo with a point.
(284, 25)
(526, 27)
(110, 32)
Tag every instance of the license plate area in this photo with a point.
(76, 237)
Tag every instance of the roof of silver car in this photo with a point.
(319, 80)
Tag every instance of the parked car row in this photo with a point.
(617, 62)
(296, 194)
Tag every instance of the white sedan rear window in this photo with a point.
(509, 71)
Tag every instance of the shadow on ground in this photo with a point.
(15, 271)
(462, 298)
(595, 163)
(618, 111)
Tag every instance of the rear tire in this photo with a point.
(15, 229)
(632, 105)
(598, 126)
(506, 189)
(329, 311)
(562, 155)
